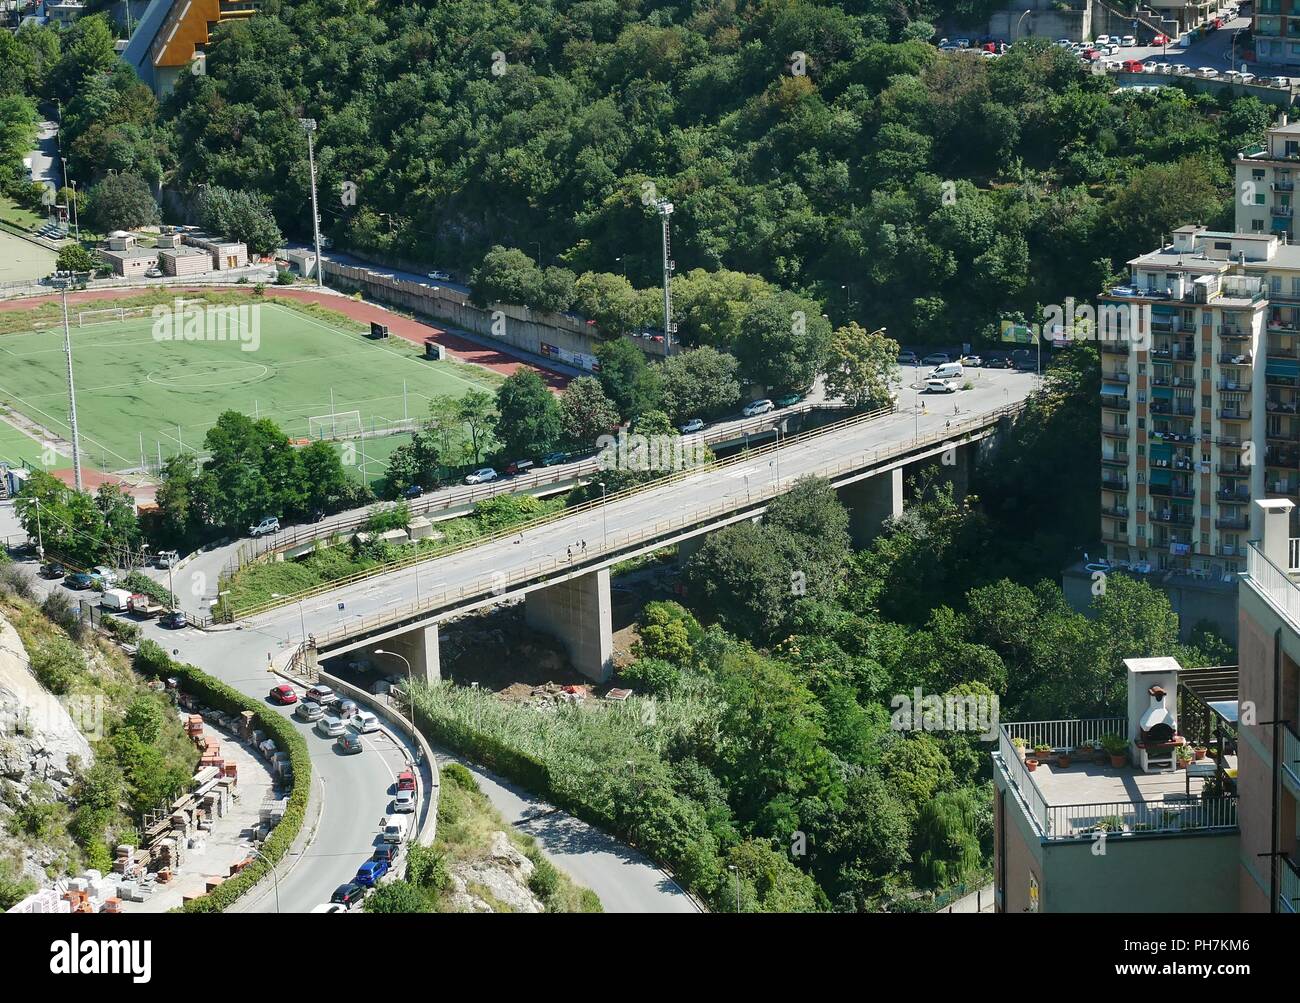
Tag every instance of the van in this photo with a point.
(947, 371)
(395, 828)
(118, 600)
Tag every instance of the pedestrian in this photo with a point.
(569, 551)
(584, 546)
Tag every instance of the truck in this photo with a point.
(394, 828)
(141, 605)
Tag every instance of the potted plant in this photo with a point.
(1201, 751)
(1117, 748)
(1031, 764)
(1019, 744)
(1063, 758)
(1042, 751)
(1184, 756)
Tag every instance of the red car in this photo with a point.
(1160, 40)
(1133, 66)
(283, 694)
(406, 781)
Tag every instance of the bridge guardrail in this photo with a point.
(496, 584)
(420, 558)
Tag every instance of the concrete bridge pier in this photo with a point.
(579, 613)
(870, 502)
(688, 548)
(418, 646)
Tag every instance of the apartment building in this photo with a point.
(1269, 750)
(1277, 32)
(1188, 403)
(1266, 175)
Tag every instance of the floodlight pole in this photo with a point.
(309, 126)
(64, 281)
(665, 210)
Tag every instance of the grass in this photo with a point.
(136, 394)
(11, 212)
(18, 449)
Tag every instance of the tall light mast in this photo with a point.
(309, 126)
(665, 210)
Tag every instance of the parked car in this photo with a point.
(1279, 81)
(309, 710)
(1160, 40)
(440, 276)
(322, 694)
(1091, 55)
(363, 722)
(153, 273)
(404, 802)
(105, 577)
(936, 359)
(754, 408)
(329, 907)
(167, 559)
(940, 386)
(269, 524)
(330, 726)
(394, 828)
(350, 743)
(908, 358)
(284, 694)
(1182, 69)
(370, 872)
(53, 569)
(78, 580)
(972, 360)
(1207, 71)
(173, 620)
(117, 600)
(1127, 41)
(517, 467)
(1133, 66)
(694, 425)
(414, 491)
(998, 362)
(788, 400)
(1247, 78)
(1101, 40)
(481, 476)
(551, 459)
(349, 894)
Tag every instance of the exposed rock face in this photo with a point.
(502, 876)
(37, 734)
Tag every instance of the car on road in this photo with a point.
(972, 360)
(414, 491)
(394, 828)
(942, 386)
(1127, 41)
(363, 722)
(936, 359)
(1278, 81)
(1090, 55)
(350, 743)
(788, 400)
(1133, 66)
(173, 619)
(385, 851)
(53, 569)
(346, 709)
(269, 524)
(105, 577)
(406, 781)
(694, 425)
(348, 895)
(551, 459)
(329, 907)
(331, 726)
(908, 358)
(754, 408)
(284, 694)
(322, 694)
(517, 467)
(1102, 40)
(1247, 78)
(440, 276)
(153, 273)
(1207, 72)
(369, 873)
(166, 559)
(78, 580)
(1160, 40)
(481, 476)
(1182, 69)
(998, 362)
(309, 710)
(403, 802)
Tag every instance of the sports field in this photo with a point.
(138, 396)
(21, 260)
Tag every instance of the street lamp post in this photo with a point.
(302, 619)
(309, 127)
(410, 681)
(604, 519)
(275, 878)
(735, 874)
(1018, 20)
(63, 281)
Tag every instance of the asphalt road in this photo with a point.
(611, 527)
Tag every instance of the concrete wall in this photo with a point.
(579, 613)
(1017, 851)
(870, 502)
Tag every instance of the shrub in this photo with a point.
(120, 630)
(58, 609)
(152, 661)
(284, 278)
(16, 582)
(138, 582)
(545, 879)
(651, 675)
(459, 776)
(56, 665)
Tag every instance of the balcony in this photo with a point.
(1274, 457)
(1118, 460)
(1115, 511)
(1179, 411)
(1233, 495)
(1120, 432)
(1239, 523)
(1113, 483)
(1113, 347)
(1114, 402)
(1288, 896)
(1276, 380)
(1237, 358)
(1171, 490)
(1281, 211)
(1233, 470)
(1233, 414)
(1282, 186)
(1233, 386)
(1120, 377)
(1173, 517)
(1273, 406)
(1087, 797)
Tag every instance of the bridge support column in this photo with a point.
(870, 502)
(955, 466)
(579, 613)
(419, 647)
(688, 548)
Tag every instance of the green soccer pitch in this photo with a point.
(137, 394)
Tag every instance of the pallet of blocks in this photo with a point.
(47, 900)
(194, 725)
(167, 854)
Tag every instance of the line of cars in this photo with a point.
(395, 829)
(333, 716)
(104, 580)
(949, 369)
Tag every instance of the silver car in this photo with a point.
(330, 726)
(404, 802)
(309, 710)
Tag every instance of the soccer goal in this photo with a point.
(339, 425)
(110, 314)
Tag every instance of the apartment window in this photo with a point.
(1142, 451)
(1259, 198)
(1205, 373)
(1142, 368)
(1141, 396)
(1142, 423)
(1295, 286)
(1205, 511)
(1257, 173)
(1205, 400)
(1224, 245)
(1257, 226)
(1205, 540)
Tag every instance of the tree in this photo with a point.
(88, 51)
(860, 366)
(610, 301)
(698, 383)
(398, 896)
(626, 378)
(586, 413)
(783, 341)
(528, 418)
(326, 486)
(75, 258)
(507, 275)
(474, 411)
(121, 202)
(240, 215)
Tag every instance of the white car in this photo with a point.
(941, 386)
(1102, 40)
(270, 524)
(330, 907)
(1182, 69)
(1278, 81)
(404, 802)
(1247, 78)
(440, 276)
(363, 722)
(1207, 72)
(757, 407)
(331, 726)
(963, 43)
(153, 273)
(694, 425)
(481, 476)
(322, 694)
(1128, 40)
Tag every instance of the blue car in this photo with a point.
(79, 580)
(369, 873)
